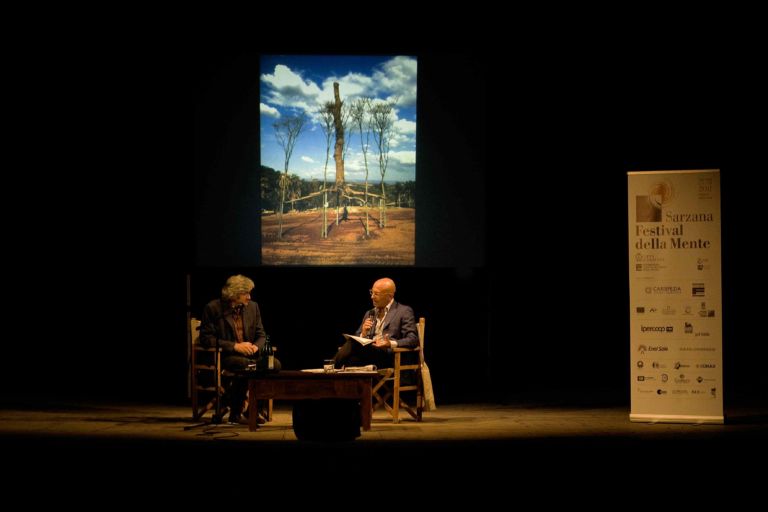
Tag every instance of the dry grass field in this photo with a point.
(346, 243)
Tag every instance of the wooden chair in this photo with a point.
(205, 374)
(388, 388)
(207, 378)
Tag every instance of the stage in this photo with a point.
(68, 422)
(523, 427)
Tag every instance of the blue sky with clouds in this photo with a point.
(300, 84)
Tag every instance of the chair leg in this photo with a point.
(396, 395)
(419, 395)
(195, 416)
(380, 392)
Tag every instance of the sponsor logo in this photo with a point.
(652, 348)
(649, 262)
(706, 313)
(702, 264)
(656, 328)
(663, 290)
(648, 258)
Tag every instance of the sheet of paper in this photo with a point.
(359, 339)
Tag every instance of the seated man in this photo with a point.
(233, 323)
(389, 323)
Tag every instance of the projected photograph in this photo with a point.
(338, 160)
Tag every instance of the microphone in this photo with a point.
(372, 316)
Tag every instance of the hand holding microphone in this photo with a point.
(369, 324)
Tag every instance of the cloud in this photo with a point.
(405, 126)
(351, 86)
(268, 111)
(393, 80)
(289, 89)
(404, 157)
(396, 79)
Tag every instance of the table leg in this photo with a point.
(253, 411)
(366, 406)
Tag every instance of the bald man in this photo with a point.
(389, 323)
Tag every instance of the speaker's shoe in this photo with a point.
(237, 420)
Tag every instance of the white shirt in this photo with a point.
(380, 323)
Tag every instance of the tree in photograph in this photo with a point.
(287, 131)
(294, 189)
(382, 123)
(338, 148)
(339, 123)
(359, 112)
(325, 113)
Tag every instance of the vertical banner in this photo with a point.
(675, 297)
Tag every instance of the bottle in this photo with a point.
(269, 354)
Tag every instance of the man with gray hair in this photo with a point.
(233, 324)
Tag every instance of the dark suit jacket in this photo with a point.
(217, 324)
(400, 324)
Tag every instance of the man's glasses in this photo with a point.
(375, 294)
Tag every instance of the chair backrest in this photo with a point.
(194, 330)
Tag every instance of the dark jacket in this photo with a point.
(217, 324)
(400, 324)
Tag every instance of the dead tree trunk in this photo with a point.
(338, 149)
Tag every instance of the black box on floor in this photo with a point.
(330, 420)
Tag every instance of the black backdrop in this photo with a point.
(526, 289)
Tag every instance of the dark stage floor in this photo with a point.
(533, 439)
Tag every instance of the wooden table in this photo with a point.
(299, 385)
